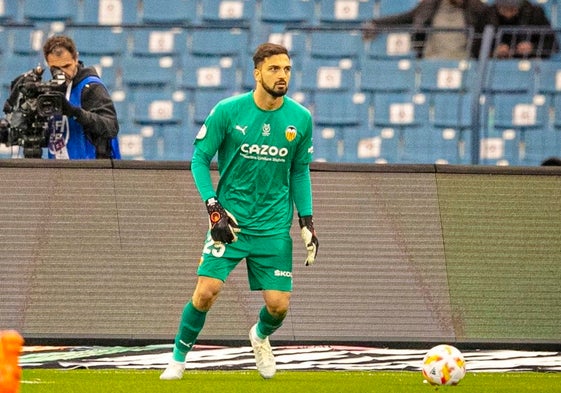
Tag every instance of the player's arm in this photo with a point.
(301, 187)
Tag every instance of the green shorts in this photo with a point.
(268, 260)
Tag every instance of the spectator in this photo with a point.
(526, 43)
(456, 16)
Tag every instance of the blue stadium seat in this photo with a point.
(326, 143)
(15, 65)
(158, 108)
(366, 145)
(400, 109)
(98, 40)
(515, 76)
(109, 12)
(9, 13)
(178, 142)
(200, 72)
(219, 42)
(393, 44)
(500, 149)
(158, 42)
(326, 74)
(227, 11)
(426, 145)
(174, 12)
(557, 112)
(539, 145)
(339, 108)
(149, 72)
(27, 40)
(518, 111)
(549, 77)
(336, 44)
(388, 75)
(345, 11)
(451, 110)
(446, 75)
(287, 11)
(50, 10)
(391, 7)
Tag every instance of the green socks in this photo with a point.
(267, 324)
(192, 322)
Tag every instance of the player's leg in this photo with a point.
(192, 322)
(217, 261)
(270, 270)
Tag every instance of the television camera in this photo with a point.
(31, 105)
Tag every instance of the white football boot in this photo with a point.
(264, 358)
(173, 371)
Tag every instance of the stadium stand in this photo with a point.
(202, 49)
(175, 12)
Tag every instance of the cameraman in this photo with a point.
(88, 126)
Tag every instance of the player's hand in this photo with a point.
(223, 225)
(310, 239)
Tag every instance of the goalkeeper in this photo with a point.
(264, 144)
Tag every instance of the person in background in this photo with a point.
(88, 126)
(264, 144)
(457, 15)
(525, 43)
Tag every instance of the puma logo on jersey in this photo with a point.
(241, 129)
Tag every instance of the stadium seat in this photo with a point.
(227, 11)
(451, 110)
(346, 11)
(98, 40)
(391, 7)
(400, 109)
(515, 76)
(336, 44)
(149, 72)
(388, 75)
(178, 142)
(50, 10)
(109, 12)
(501, 148)
(219, 42)
(549, 77)
(339, 108)
(158, 42)
(426, 145)
(9, 12)
(175, 12)
(158, 108)
(326, 143)
(518, 111)
(366, 145)
(393, 44)
(287, 11)
(200, 72)
(27, 40)
(446, 75)
(537, 145)
(327, 74)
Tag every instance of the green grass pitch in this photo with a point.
(140, 381)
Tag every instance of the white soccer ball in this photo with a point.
(443, 365)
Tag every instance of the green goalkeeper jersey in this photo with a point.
(263, 162)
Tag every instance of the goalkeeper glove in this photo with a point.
(223, 225)
(309, 236)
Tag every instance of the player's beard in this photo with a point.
(275, 92)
